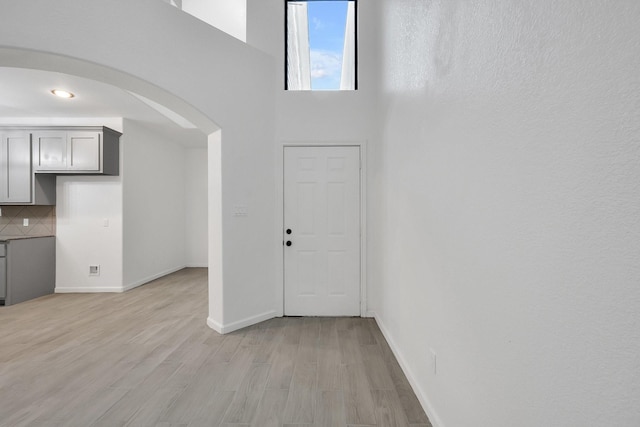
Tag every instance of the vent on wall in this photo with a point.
(94, 270)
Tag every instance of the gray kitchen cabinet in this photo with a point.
(15, 167)
(3, 271)
(30, 269)
(18, 185)
(92, 151)
(49, 150)
(84, 151)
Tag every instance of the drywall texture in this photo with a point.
(154, 208)
(508, 213)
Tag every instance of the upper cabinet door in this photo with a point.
(15, 167)
(50, 150)
(90, 151)
(83, 151)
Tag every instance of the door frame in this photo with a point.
(279, 297)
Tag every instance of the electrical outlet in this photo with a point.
(433, 361)
(94, 270)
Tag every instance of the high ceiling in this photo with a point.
(27, 93)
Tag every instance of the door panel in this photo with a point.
(84, 151)
(322, 210)
(50, 150)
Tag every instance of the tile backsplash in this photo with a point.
(42, 220)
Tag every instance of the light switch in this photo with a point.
(105, 222)
(25, 222)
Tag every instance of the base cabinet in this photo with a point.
(3, 271)
(30, 266)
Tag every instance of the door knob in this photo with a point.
(288, 242)
(288, 231)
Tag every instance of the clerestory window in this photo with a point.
(321, 46)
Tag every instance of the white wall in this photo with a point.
(83, 203)
(229, 16)
(153, 204)
(196, 206)
(216, 236)
(507, 217)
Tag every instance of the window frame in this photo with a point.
(286, 47)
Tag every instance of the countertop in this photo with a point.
(7, 238)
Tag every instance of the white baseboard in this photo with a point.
(420, 394)
(197, 265)
(86, 289)
(234, 326)
(214, 325)
(148, 279)
(99, 289)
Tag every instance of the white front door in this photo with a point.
(322, 231)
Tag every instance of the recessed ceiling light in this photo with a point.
(62, 93)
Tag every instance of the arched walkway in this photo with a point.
(216, 82)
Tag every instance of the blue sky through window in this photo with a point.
(327, 21)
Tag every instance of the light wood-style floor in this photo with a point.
(147, 358)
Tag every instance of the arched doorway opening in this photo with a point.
(22, 61)
(221, 85)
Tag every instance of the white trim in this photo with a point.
(196, 265)
(214, 325)
(420, 393)
(234, 326)
(118, 289)
(86, 289)
(363, 230)
(280, 215)
(152, 277)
